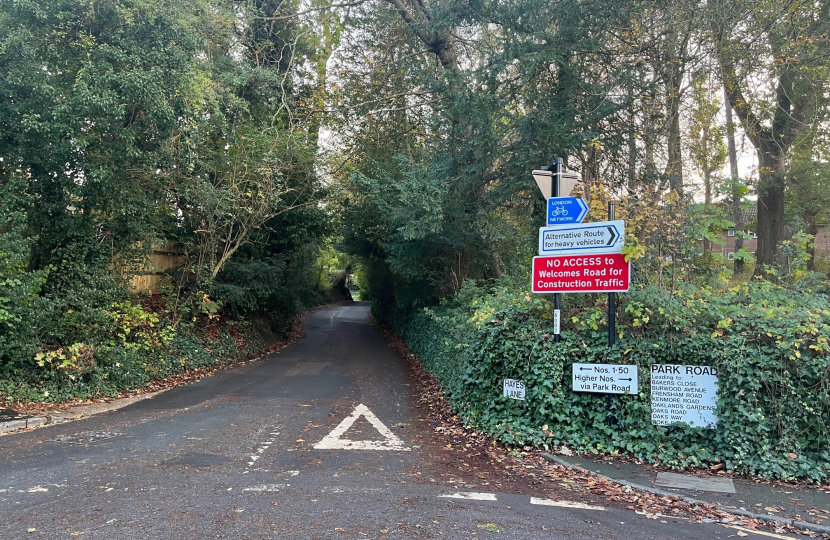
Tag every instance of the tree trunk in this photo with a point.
(674, 167)
(812, 228)
(632, 142)
(737, 214)
(707, 201)
(770, 226)
(676, 69)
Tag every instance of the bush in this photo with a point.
(769, 341)
(138, 349)
(20, 303)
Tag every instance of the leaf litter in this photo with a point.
(485, 463)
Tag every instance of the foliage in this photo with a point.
(20, 301)
(140, 347)
(770, 342)
(129, 124)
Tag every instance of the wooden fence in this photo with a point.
(148, 280)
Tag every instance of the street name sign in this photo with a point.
(564, 210)
(687, 394)
(581, 273)
(598, 237)
(605, 378)
(514, 389)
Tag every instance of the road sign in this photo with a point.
(581, 273)
(545, 179)
(599, 237)
(514, 389)
(605, 378)
(564, 210)
(687, 394)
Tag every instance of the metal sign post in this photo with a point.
(612, 298)
(557, 173)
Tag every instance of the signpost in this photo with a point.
(577, 257)
(685, 394)
(563, 210)
(598, 237)
(581, 273)
(605, 378)
(565, 235)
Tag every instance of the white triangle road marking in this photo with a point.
(335, 440)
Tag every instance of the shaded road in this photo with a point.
(233, 456)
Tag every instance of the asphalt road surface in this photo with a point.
(282, 449)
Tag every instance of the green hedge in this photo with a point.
(149, 350)
(769, 342)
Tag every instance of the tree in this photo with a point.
(773, 63)
(705, 141)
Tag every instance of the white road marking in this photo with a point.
(37, 489)
(338, 489)
(471, 495)
(334, 440)
(564, 504)
(762, 533)
(263, 446)
(267, 487)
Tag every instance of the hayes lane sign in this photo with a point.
(599, 237)
(581, 274)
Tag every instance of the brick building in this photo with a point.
(822, 241)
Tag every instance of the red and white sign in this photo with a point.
(581, 273)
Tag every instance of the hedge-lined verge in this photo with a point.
(135, 348)
(770, 343)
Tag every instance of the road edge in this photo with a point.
(75, 413)
(690, 500)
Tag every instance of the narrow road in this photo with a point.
(233, 456)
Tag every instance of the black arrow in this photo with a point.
(613, 236)
(626, 379)
(585, 369)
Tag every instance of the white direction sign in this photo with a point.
(687, 394)
(514, 389)
(598, 237)
(335, 440)
(605, 378)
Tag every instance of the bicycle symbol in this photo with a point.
(559, 211)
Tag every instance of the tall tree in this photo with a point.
(773, 61)
(705, 141)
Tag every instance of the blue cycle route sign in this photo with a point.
(564, 210)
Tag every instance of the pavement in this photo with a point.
(12, 421)
(806, 507)
(322, 440)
